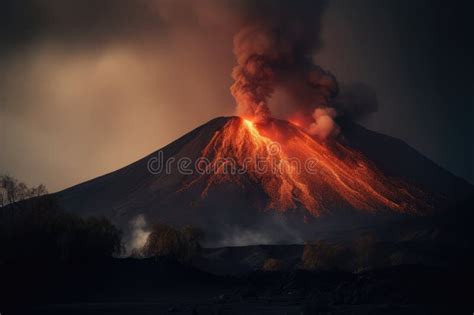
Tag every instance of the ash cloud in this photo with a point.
(82, 80)
(273, 50)
(276, 73)
(356, 101)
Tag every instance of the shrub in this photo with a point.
(310, 256)
(365, 252)
(166, 241)
(272, 264)
(192, 237)
(324, 256)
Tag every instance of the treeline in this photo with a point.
(33, 228)
(361, 254)
(165, 241)
(13, 190)
(38, 230)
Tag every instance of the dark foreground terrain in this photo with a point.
(163, 286)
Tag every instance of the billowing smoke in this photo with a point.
(254, 74)
(122, 69)
(274, 51)
(356, 101)
(324, 125)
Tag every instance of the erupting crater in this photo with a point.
(296, 170)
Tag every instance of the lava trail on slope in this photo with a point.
(296, 170)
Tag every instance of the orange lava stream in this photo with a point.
(338, 174)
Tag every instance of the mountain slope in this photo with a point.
(396, 158)
(254, 208)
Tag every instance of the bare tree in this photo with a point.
(9, 185)
(166, 241)
(12, 190)
(2, 198)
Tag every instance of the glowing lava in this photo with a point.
(295, 170)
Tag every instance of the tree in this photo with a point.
(192, 234)
(365, 252)
(166, 241)
(163, 240)
(13, 191)
(192, 238)
(10, 187)
(321, 255)
(39, 230)
(99, 237)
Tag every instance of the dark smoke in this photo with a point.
(274, 51)
(274, 40)
(123, 69)
(79, 22)
(356, 101)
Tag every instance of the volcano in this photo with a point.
(247, 182)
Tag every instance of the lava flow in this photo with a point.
(295, 170)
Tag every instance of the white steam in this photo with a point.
(324, 125)
(138, 235)
(274, 230)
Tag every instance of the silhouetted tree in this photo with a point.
(39, 230)
(166, 241)
(12, 190)
(163, 240)
(365, 252)
(192, 238)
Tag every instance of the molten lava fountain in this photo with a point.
(295, 170)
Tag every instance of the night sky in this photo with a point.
(88, 87)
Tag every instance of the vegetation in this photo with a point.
(12, 190)
(166, 241)
(366, 253)
(325, 256)
(38, 230)
(362, 254)
(272, 264)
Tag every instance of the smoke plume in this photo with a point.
(274, 51)
(356, 101)
(324, 125)
(82, 80)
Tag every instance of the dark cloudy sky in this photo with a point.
(89, 86)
